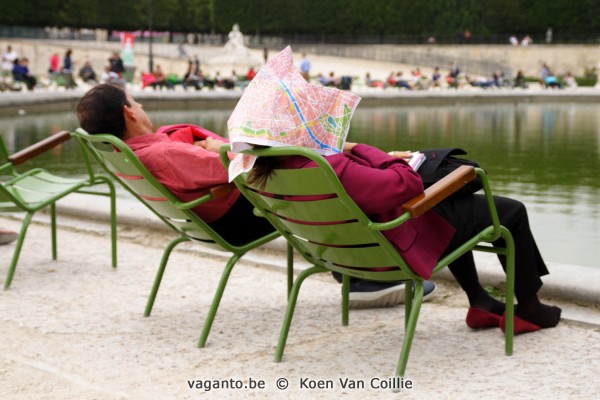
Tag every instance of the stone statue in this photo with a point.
(235, 44)
(235, 52)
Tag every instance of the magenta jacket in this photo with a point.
(380, 184)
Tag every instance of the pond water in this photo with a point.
(546, 155)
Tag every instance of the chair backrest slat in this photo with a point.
(330, 210)
(287, 182)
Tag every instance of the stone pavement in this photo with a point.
(74, 329)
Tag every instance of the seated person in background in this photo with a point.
(190, 78)
(479, 81)
(116, 64)
(332, 80)
(67, 70)
(452, 77)
(570, 80)
(435, 77)
(418, 80)
(380, 183)
(520, 80)
(552, 81)
(391, 80)
(53, 68)
(250, 74)
(373, 82)
(87, 74)
(223, 82)
(401, 82)
(108, 76)
(160, 79)
(329, 80)
(187, 168)
(322, 79)
(234, 77)
(21, 73)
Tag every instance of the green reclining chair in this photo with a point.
(36, 189)
(332, 233)
(126, 168)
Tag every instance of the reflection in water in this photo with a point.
(546, 155)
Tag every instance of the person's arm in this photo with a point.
(187, 168)
(378, 182)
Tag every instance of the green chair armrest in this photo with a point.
(440, 190)
(38, 148)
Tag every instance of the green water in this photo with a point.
(546, 155)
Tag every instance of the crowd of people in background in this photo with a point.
(60, 72)
(63, 72)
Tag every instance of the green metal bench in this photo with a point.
(332, 233)
(35, 189)
(126, 168)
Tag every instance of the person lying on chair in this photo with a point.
(380, 183)
(188, 167)
(184, 158)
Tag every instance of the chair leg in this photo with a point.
(160, 272)
(408, 300)
(510, 289)
(113, 221)
(410, 327)
(217, 299)
(53, 228)
(289, 312)
(345, 298)
(290, 268)
(17, 252)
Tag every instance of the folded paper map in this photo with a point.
(279, 108)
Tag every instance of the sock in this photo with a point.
(539, 314)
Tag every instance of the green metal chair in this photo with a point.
(35, 189)
(311, 209)
(126, 168)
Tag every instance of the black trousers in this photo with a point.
(468, 215)
(239, 225)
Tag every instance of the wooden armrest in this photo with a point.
(38, 148)
(221, 190)
(440, 190)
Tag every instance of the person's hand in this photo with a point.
(406, 155)
(348, 146)
(209, 144)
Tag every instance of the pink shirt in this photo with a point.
(188, 171)
(379, 184)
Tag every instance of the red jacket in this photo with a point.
(188, 171)
(380, 184)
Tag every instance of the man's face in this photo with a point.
(142, 119)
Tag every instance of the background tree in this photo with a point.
(441, 18)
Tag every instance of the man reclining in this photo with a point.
(187, 168)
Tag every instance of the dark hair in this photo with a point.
(100, 110)
(263, 169)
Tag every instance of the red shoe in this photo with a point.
(480, 319)
(520, 325)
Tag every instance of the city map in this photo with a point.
(279, 108)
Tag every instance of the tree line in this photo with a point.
(346, 17)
